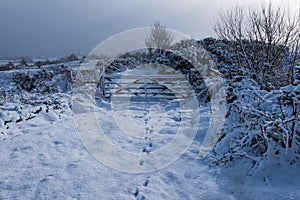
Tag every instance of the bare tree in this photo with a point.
(230, 25)
(160, 38)
(263, 37)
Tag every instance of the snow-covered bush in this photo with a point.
(53, 79)
(262, 121)
(260, 125)
(265, 40)
(121, 64)
(7, 66)
(268, 76)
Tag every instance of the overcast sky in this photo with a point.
(61, 27)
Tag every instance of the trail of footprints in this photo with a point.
(138, 192)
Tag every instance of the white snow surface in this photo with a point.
(43, 157)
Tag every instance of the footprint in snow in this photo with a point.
(137, 191)
(147, 181)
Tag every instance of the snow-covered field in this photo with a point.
(43, 156)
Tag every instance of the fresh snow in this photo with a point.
(43, 157)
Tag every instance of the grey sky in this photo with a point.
(62, 27)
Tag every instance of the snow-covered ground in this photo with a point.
(43, 157)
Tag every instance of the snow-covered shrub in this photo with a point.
(265, 40)
(7, 66)
(261, 126)
(31, 82)
(47, 80)
(262, 121)
(121, 64)
(268, 75)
